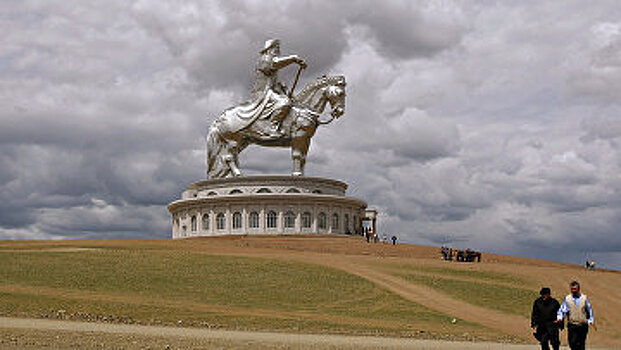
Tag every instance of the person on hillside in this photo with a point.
(469, 255)
(543, 320)
(577, 309)
(460, 255)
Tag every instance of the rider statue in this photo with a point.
(272, 116)
(267, 85)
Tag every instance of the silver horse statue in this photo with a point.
(240, 126)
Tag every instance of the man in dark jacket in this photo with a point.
(543, 320)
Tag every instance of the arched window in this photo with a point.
(264, 190)
(237, 220)
(306, 220)
(335, 222)
(271, 219)
(293, 190)
(289, 219)
(321, 221)
(253, 220)
(205, 222)
(212, 193)
(220, 221)
(346, 224)
(185, 230)
(235, 191)
(194, 224)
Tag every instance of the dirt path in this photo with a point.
(443, 303)
(241, 339)
(419, 294)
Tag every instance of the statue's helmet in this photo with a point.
(270, 44)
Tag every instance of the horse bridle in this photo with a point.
(314, 116)
(332, 117)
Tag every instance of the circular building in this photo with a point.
(266, 205)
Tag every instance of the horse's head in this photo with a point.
(327, 89)
(335, 93)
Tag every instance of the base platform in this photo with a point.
(266, 205)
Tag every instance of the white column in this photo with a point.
(262, 218)
(314, 214)
(245, 218)
(280, 225)
(212, 221)
(228, 218)
(298, 218)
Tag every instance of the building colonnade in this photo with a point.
(266, 219)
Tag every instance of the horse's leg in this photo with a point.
(299, 149)
(296, 156)
(237, 149)
(229, 160)
(304, 151)
(230, 157)
(304, 127)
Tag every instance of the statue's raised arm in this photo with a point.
(270, 117)
(281, 62)
(268, 85)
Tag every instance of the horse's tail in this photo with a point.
(215, 145)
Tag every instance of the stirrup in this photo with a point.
(275, 131)
(274, 134)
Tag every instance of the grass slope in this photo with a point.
(498, 291)
(512, 300)
(143, 285)
(318, 284)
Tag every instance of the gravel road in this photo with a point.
(118, 337)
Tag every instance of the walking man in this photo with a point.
(543, 320)
(577, 308)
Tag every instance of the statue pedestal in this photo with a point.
(266, 205)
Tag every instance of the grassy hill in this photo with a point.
(320, 284)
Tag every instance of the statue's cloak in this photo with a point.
(247, 113)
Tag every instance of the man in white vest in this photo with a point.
(577, 309)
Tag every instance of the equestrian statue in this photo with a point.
(273, 117)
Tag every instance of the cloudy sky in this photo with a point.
(491, 125)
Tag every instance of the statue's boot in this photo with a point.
(275, 132)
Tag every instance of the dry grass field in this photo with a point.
(293, 284)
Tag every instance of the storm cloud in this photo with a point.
(489, 126)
